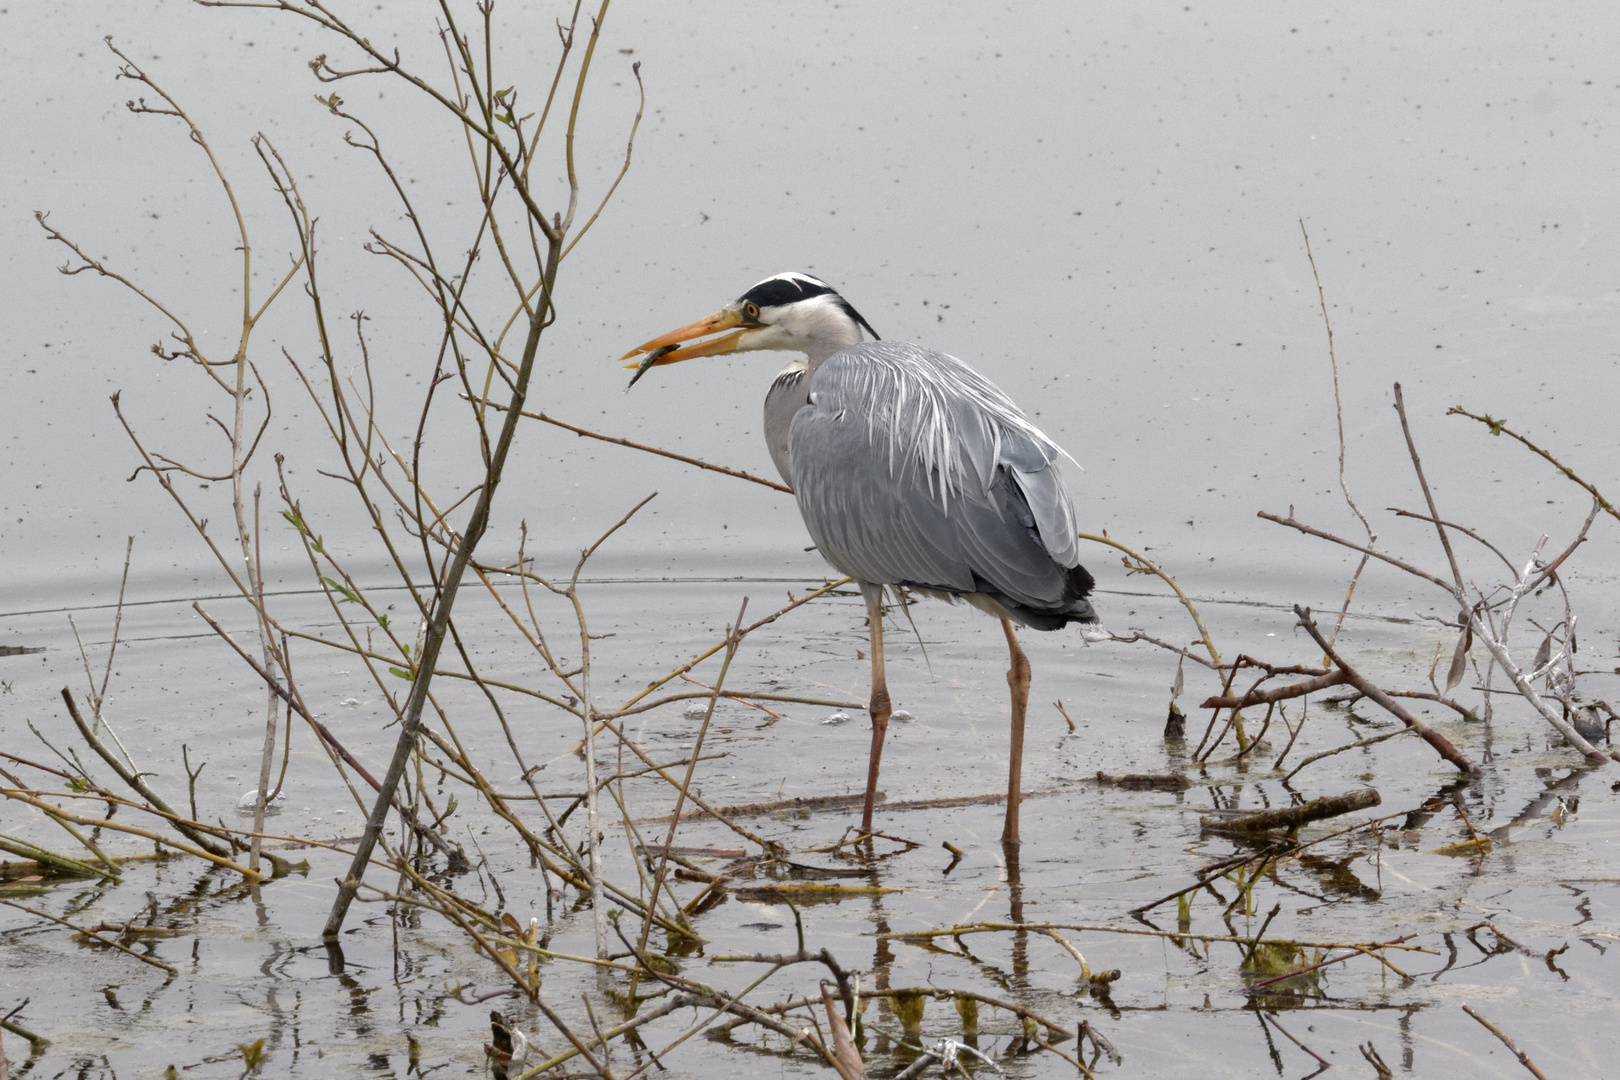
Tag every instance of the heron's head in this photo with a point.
(792, 312)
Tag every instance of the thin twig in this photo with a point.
(1499, 427)
(1357, 950)
(1524, 1059)
(691, 768)
(1338, 415)
(1428, 497)
(1020, 928)
(617, 441)
(1353, 546)
(91, 935)
(1325, 1063)
(1374, 740)
(1442, 745)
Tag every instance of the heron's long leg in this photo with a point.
(1018, 683)
(880, 698)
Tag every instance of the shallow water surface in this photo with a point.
(251, 965)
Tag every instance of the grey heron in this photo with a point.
(911, 470)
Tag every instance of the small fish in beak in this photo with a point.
(649, 361)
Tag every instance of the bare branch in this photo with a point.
(1441, 744)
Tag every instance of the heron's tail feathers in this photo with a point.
(1072, 606)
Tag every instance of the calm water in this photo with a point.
(1100, 210)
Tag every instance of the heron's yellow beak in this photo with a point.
(664, 349)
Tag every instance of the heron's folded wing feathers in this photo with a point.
(909, 467)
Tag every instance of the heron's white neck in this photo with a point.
(819, 327)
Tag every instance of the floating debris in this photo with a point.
(809, 890)
(902, 716)
(836, 718)
(1167, 781)
(20, 650)
(1292, 817)
(250, 801)
(695, 711)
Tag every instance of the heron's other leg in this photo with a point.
(1018, 683)
(880, 698)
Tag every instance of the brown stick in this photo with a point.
(588, 434)
(136, 781)
(1434, 515)
(732, 641)
(1338, 413)
(1442, 745)
(1145, 781)
(1318, 756)
(1499, 427)
(322, 730)
(1094, 928)
(1524, 1058)
(1276, 693)
(1353, 546)
(846, 1058)
(1292, 817)
(92, 936)
(1359, 951)
(1465, 530)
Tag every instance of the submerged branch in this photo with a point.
(1442, 745)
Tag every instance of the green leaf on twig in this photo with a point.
(253, 1054)
(348, 594)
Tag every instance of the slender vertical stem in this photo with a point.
(1338, 413)
(1434, 514)
(733, 639)
(427, 659)
(267, 757)
(593, 842)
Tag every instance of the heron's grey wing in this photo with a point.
(787, 395)
(908, 471)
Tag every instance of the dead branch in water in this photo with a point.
(1441, 744)
(1292, 817)
(1146, 781)
(1524, 1059)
